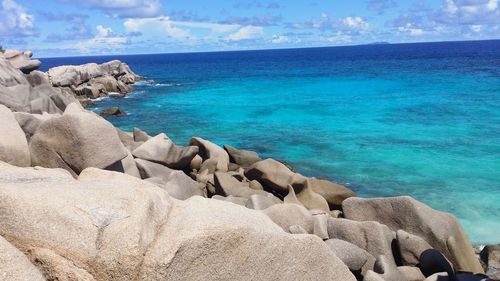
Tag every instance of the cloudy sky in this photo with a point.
(93, 27)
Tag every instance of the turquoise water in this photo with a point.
(420, 120)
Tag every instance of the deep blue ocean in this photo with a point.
(407, 119)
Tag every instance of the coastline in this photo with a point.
(70, 138)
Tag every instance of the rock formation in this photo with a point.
(101, 204)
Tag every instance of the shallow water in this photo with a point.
(418, 119)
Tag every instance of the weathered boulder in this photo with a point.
(261, 202)
(76, 140)
(386, 269)
(310, 199)
(273, 175)
(22, 60)
(491, 257)
(9, 75)
(209, 150)
(176, 183)
(73, 75)
(103, 223)
(29, 123)
(13, 144)
(140, 135)
(441, 230)
(244, 158)
(410, 247)
(226, 185)
(334, 193)
(287, 215)
(411, 273)
(127, 140)
(14, 265)
(240, 244)
(355, 258)
(162, 150)
(373, 237)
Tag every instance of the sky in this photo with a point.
(96, 27)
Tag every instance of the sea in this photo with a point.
(417, 119)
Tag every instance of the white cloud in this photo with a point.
(103, 31)
(355, 22)
(246, 33)
(124, 8)
(15, 21)
(411, 30)
(476, 28)
(175, 29)
(340, 38)
(280, 39)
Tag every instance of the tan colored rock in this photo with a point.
(244, 158)
(373, 237)
(226, 185)
(441, 230)
(334, 193)
(15, 266)
(411, 273)
(209, 150)
(310, 199)
(103, 223)
(410, 247)
(140, 135)
(351, 255)
(261, 202)
(176, 183)
(234, 243)
(273, 175)
(30, 122)
(161, 149)
(287, 215)
(77, 140)
(13, 144)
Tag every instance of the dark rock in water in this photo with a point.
(114, 111)
(490, 255)
(87, 102)
(432, 261)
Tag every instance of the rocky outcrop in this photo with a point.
(93, 80)
(21, 60)
(441, 230)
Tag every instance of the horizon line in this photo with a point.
(376, 43)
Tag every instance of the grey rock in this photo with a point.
(13, 144)
(410, 247)
(286, 215)
(441, 230)
(261, 202)
(140, 135)
(76, 140)
(351, 255)
(244, 158)
(209, 150)
(334, 193)
(411, 273)
(162, 150)
(490, 255)
(14, 265)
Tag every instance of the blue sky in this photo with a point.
(93, 27)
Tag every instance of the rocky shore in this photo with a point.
(83, 200)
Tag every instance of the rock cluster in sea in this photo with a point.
(83, 200)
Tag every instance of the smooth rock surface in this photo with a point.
(287, 215)
(334, 193)
(209, 150)
(13, 144)
(76, 140)
(441, 230)
(244, 158)
(15, 266)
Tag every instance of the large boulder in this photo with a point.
(13, 144)
(71, 75)
(244, 158)
(9, 75)
(163, 150)
(356, 259)
(310, 199)
(176, 183)
(103, 223)
(213, 152)
(76, 140)
(373, 237)
(227, 185)
(22, 60)
(334, 193)
(273, 175)
(14, 265)
(288, 215)
(230, 242)
(115, 227)
(441, 230)
(30, 122)
(411, 247)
